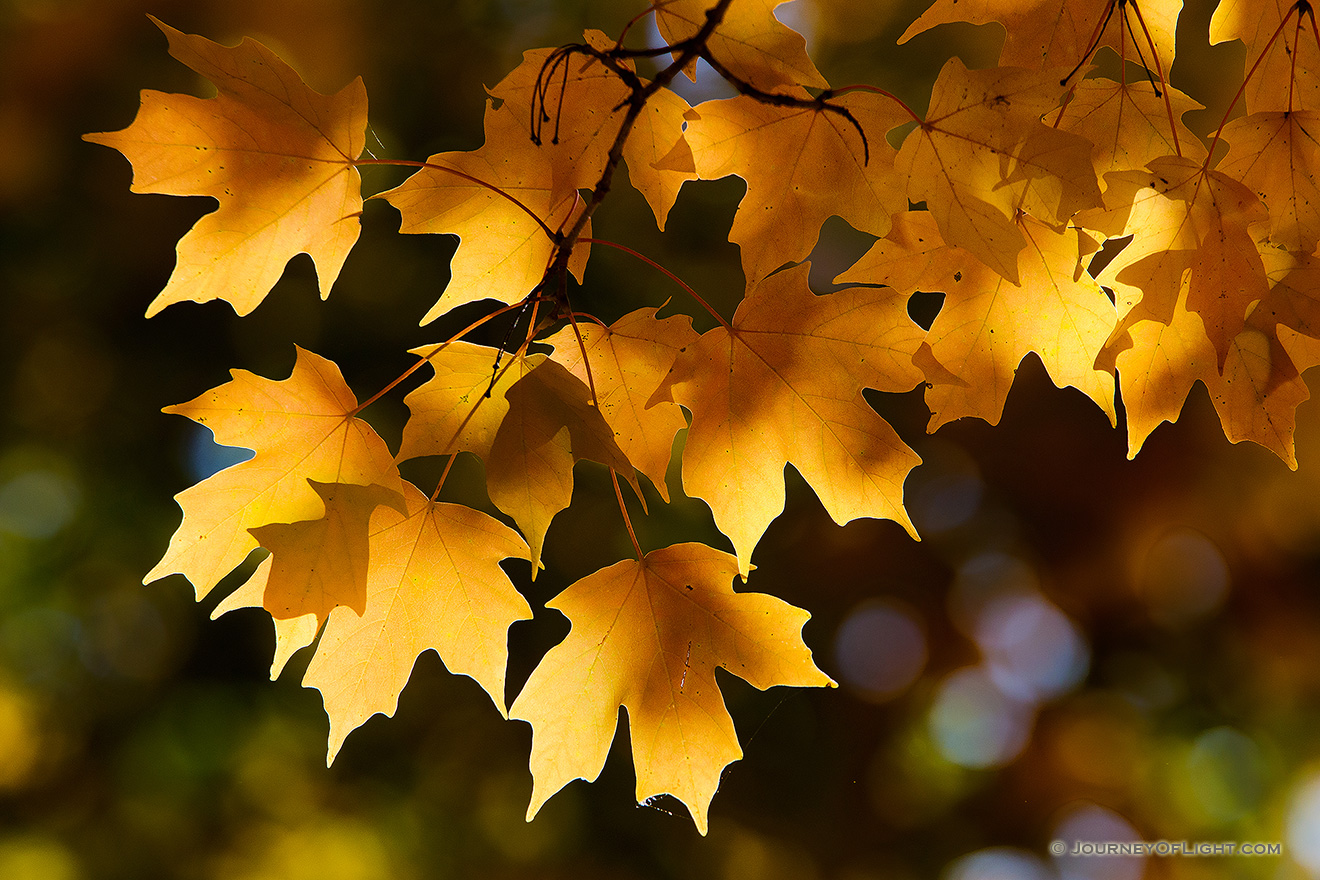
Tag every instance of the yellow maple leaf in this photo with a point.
(1286, 75)
(502, 207)
(1058, 33)
(1128, 122)
(427, 578)
(574, 110)
(1277, 156)
(624, 363)
(751, 43)
(319, 564)
(782, 384)
(275, 154)
(647, 635)
(982, 155)
(1188, 221)
(802, 166)
(529, 427)
(301, 428)
(987, 325)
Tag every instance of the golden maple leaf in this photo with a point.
(1059, 33)
(275, 154)
(751, 43)
(782, 384)
(987, 325)
(502, 207)
(428, 577)
(647, 635)
(529, 422)
(623, 363)
(1277, 156)
(1283, 55)
(982, 154)
(574, 110)
(802, 165)
(301, 428)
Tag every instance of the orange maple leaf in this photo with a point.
(501, 205)
(574, 109)
(750, 42)
(982, 155)
(302, 428)
(1059, 33)
(782, 384)
(987, 325)
(802, 166)
(647, 635)
(275, 154)
(623, 363)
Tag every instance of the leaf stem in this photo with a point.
(410, 163)
(424, 358)
(863, 87)
(672, 277)
(443, 476)
(1219, 131)
(623, 508)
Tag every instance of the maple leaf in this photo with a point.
(277, 156)
(647, 635)
(782, 384)
(1128, 122)
(574, 111)
(1276, 154)
(1283, 55)
(433, 582)
(1059, 33)
(1190, 221)
(802, 165)
(1259, 388)
(982, 155)
(320, 564)
(750, 42)
(529, 426)
(301, 428)
(499, 201)
(623, 363)
(987, 325)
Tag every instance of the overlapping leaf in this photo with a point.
(428, 577)
(623, 364)
(1189, 221)
(1277, 156)
(275, 154)
(983, 154)
(802, 165)
(782, 384)
(1128, 123)
(529, 420)
(987, 325)
(1059, 33)
(302, 428)
(647, 635)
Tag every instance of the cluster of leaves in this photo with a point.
(998, 198)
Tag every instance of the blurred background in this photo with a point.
(1081, 648)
